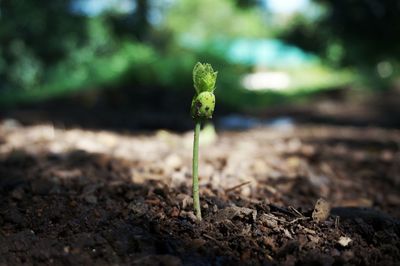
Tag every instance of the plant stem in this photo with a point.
(196, 197)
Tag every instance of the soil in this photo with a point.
(301, 195)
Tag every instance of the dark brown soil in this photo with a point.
(78, 197)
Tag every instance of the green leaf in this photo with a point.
(204, 78)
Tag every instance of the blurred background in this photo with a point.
(126, 64)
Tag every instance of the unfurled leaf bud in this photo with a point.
(204, 78)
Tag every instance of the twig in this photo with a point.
(298, 219)
(237, 186)
(296, 211)
(337, 222)
(210, 237)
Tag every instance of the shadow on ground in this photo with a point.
(79, 208)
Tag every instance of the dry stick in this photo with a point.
(237, 186)
(295, 211)
(298, 219)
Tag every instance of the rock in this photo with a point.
(321, 210)
(344, 241)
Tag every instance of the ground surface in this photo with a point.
(80, 197)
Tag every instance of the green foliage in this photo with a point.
(206, 19)
(204, 78)
(91, 72)
(360, 34)
(368, 29)
(48, 51)
(34, 36)
(26, 70)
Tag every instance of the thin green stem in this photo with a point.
(196, 197)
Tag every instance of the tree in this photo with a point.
(35, 35)
(357, 32)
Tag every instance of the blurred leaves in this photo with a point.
(26, 69)
(49, 49)
(208, 19)
(358, 33)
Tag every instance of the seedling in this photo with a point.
(202, 108)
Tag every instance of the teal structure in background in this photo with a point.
(270, 53)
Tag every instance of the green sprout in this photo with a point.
(202, 108)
